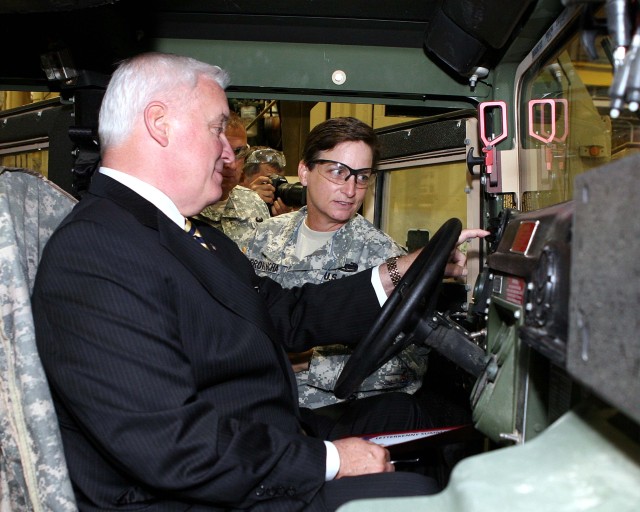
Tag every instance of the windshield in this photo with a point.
(566, 124)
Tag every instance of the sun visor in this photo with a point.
(469, 34)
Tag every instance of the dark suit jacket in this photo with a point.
(167, 361)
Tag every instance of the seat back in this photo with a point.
(33, 471)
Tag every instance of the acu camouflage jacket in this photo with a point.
(243, 212)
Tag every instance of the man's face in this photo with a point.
(330, 205)
(200, 148)
(266, 169)
(232, 171)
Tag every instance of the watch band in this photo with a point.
(392, 268)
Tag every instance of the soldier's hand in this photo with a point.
(457, 265)
(263, 187)
(360, 457)
(279, 207)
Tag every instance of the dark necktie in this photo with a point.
(190, 228)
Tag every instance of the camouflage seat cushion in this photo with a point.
(33, 472)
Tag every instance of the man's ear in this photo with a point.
(155, 119)
(302, 173)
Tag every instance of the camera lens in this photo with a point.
(292, 194)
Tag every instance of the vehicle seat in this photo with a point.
(33, 471)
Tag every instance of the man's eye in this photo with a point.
(362, 178)
(217, 130)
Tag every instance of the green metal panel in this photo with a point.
(401, 76)
(581, 463)
(509, 403)
(494, 400)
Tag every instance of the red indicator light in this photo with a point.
(523, 237)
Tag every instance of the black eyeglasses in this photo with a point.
(338, 173)
(241, 151)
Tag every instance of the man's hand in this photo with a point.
(360, 457)
(300, 360)
(263, 187)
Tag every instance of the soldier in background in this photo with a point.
(327, 239)
(240, 209)
(261, 163)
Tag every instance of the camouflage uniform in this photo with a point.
(355, 247)
(33, 471)
(244, 210)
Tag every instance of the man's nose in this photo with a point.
(228, 156)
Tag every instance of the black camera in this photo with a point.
(292, 194)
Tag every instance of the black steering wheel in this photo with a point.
(393, 330)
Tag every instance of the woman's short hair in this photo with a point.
(332, 132)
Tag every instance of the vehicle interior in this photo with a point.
(516, 117)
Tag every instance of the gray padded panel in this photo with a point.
(422, 138)
(604, 308)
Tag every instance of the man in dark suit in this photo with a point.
(165, 353)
